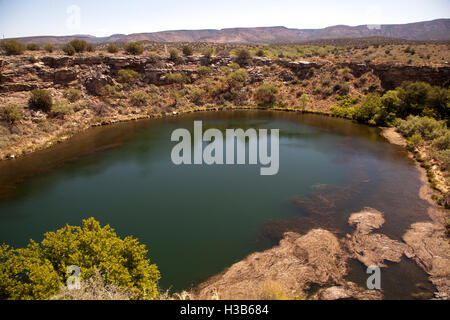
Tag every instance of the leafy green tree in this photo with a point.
(40, 270)
(69, 50)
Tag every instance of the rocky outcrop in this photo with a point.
(298, 261)
(430, 248)
(392, 76)
(372, 249)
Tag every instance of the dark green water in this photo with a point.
(197, 220)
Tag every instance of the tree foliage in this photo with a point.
(39, 270)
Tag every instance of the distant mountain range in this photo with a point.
(428, 30)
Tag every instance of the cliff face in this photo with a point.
(93, 72)
(392, 76)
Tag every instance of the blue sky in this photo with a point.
(105, 17)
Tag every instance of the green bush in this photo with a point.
(304, 101)
(267, 94)
(442, 142)
(41, 100)
(134, 48)
(415, 140)
(444, 157)
(12, 47)
(49, 48)
(260, 53)
(128, 76)
(177, 78)
(90, 47)
(112, 48)
(237, 79)
(69, 49)
(80, 46)
(40, 270)
(197, 96)
(371, 111)
(12, 112)
(244, 56)
(173, 55)
(61, 109)
(139, 98)
(208, 53)
(428, 128)
(33, 47)
(204, 71)
(72, 94)
(188, 50)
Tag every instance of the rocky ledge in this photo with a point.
(319, 258)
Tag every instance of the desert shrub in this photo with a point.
(38, 271)
(442, 142)
(204, 71)
(12, 112)
(244, 56)
(444, 157)
(90, 47)
(415, 140)
(208, 53)
(41, 100)
(72, 94)
(304, 101)
(188, 50)
(134, 48)
(61, 109)
(197, 96)
(260, 53)
(237, 79)
(234, 66)
(267, 94)
(173, 55)
(80, 46)
(341, 87)
(177, 78)
(12, 47)
(33, 47)
(139, 98)
(110, 91)
(68, 49)
(128, 76)
(49, 48)
(428, 128)
(112, 48)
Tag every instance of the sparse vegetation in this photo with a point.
(112, 48)
(12, 47)
(12, 112)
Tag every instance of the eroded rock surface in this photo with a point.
(429, 247)
(297, 262)
(368, 247)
